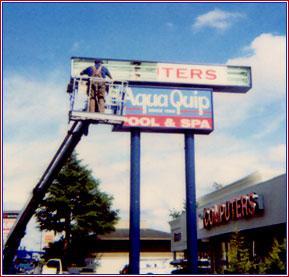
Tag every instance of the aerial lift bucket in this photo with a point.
(114, 101)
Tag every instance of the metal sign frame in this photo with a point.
(221, 78)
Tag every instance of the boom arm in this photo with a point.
(17, 233)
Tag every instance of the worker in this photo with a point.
(96, 88)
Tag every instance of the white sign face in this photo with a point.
(204, 75)
(222, 78)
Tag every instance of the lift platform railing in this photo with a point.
(80, 91)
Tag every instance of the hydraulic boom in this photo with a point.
(18, 231)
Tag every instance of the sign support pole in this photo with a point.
(191, 214)
(134, 229)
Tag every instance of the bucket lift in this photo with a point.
(79, 90)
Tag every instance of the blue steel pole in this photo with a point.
(191, 212)
(134, 229)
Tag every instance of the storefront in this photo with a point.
(256, 210)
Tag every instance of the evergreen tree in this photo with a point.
(239, 255)
(275, 262)
(174, 213)
(74, 206)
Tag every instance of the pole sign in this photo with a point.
(168, 110)
(222, 78)
(177, 98)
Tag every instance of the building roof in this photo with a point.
(243, 183)
(145, 234)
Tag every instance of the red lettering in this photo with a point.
(211, 216)
(238, 206)
(133, 121)
(205, 218)
(233, 208)
(252, 204)
(244, 205)
(227, 211)
(167, 71)
(216, 215)
(211, 74)
(182, 73)
(222, 209)
(196, 72)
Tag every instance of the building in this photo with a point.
(112, 251)
(257, 210)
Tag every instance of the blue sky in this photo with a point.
(50, 33)
(250, 129)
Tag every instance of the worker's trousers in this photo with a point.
(97, 93)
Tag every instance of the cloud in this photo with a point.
(75, 46)
(268, 62)
(270, 127)
(35, 122)
(231, 163)
(24, 163)
(170, 25)
(266, 101)
(277, 153)
(33, 107)
(216, 19)
(78, 46)
(258, 119)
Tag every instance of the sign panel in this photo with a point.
(223, 78)
(178, 233)
(168, 109)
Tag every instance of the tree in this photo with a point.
(74, 206)
(217, 186)
(275, 262)
(174, 213)
(239, 260)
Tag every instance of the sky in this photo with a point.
(250, 129)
